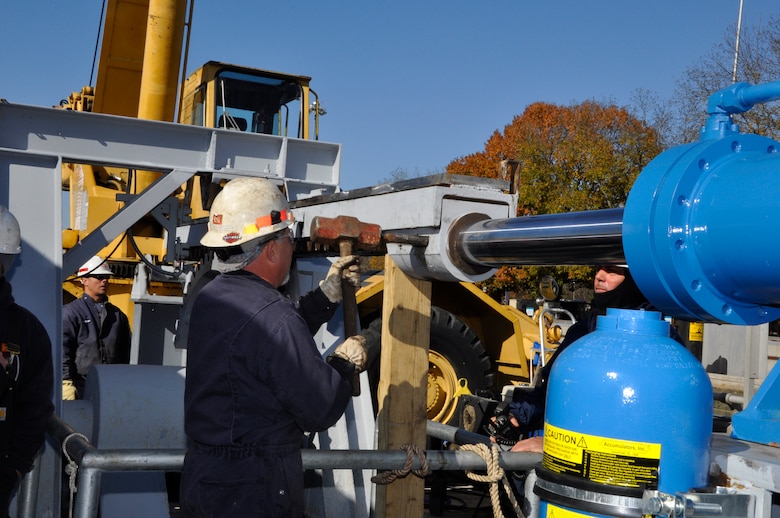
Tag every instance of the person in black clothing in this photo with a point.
(256, 380)
(26, 375)
(613, 287)
(94, 331)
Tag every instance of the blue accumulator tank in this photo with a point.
(628, 409)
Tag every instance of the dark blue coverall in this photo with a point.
(255, 382)
(25, 391)
(86, 341)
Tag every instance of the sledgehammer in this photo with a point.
(350, 234)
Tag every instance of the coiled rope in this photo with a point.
(71, 469)
(386, 477)
(494, 474)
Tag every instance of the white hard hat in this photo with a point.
(10, 239)
(95, 266)
(246, 209)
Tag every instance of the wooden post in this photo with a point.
(402, 390)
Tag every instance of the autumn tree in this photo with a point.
(571, 158)
(658, 113)
(759, 63)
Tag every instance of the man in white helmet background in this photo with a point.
(26, 374)
(255, 378)
(94, 331)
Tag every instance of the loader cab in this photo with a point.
(231, 97)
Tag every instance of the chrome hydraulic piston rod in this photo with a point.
(575, 238)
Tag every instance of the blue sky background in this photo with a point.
(407, 85)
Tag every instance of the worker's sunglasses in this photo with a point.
(99, 277)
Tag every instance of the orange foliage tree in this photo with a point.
(571, 158)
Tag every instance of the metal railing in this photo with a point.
(92, 462)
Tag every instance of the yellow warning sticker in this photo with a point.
(604, 460)
(696, 332)
(553, 511)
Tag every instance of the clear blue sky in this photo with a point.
(407, 84)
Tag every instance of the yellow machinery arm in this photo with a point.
(138, 76)
(118, 85)
(140, 58)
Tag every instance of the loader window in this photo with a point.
(257, 104)
(193, 107)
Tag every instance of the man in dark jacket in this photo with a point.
(94, 331)
(26, 376)
(255, 378)
(613, 287)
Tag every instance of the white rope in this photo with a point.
(494, 473)
(71, 469)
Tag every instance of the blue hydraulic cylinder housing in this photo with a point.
(628, 409)
(700, 230)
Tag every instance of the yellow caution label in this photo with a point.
(604, 460)
(696, 331)
(553, 511)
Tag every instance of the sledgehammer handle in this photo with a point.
(349, 306)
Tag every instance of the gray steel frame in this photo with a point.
(35, 142)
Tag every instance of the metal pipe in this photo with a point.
(133, 460)
(736, 45)
(455, 435)
(92, 462)
(728, 398)
(741, 97)
(574, 238)
(172, 460)
(88, 494)
(95, 461)
(384, 460)
(28, 491)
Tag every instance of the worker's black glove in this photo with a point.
(346, 267)
(502, 427)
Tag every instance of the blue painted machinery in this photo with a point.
(699, 221)
(700, 234)
(612, 431)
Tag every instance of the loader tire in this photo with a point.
(455, 354)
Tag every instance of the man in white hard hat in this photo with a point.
(26, 374)
(94, 331)
(255, 378)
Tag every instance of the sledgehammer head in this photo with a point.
(333, 231)
(349, 234)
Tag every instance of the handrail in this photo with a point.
(92, 461)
